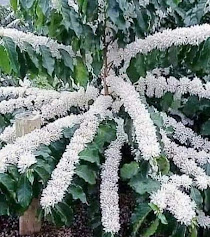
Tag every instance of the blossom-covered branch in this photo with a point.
(57, 107)
(188, 160)
(144, 128)
(62, 175)
(186, 135)
(35, 41)
(109, 198)
(170, 198)
(12, 153)
(158, 86)
(193, 35)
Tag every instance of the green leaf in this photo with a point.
(129, 170)
(44, 5)
(196, 196)
(13, 56)
(81, 73)
(205, 129)
(14, 5)
(47, 59)
(105, 134)
(7, 181)
(65, 212)
(24, 192)
(179, 231)
(69, 132)
(207, 200)
(162, 218)
(139, 215)
(4, 207)
(157, 119)
(136, 68)
(193, 232)
(68, 61)
(43, 173)
(84, 172)
(163, 164)
(13, 171)
(27, 4)
(166, 101)
(4, 62)
(71, 19)
(90, 155)
(32, 54)
(152, 228)
(144, 185)
(77, 193)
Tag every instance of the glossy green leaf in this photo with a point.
(150, 231)
(47, 59)
(144, 185)
(13, 56)
(24, 192)
(139, 215)
(4, 62)
(65, 212)
(90, 155)
(86, 173)
(81, 73)
(195, 194)
(8, 182)
(163, 165)
(129, 170)
(77, 193)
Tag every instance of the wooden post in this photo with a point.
(28, 223)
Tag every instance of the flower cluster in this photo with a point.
(170, 198)
(157, 86)
(59, 107)
(32, 102)
(188, 160)
(193, 35)
(109, 198)
(11, 153)
(144, 128)
(62, 175)
(50, 103)
(8, 135)
(186, 135)
(203, 220)
(35, 41)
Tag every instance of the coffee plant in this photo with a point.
(123, 89)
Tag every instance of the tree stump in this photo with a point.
(28, 223)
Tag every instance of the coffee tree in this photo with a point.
(127, 113)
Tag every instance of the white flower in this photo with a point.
(109, 198)
(144, 127)
(186, 136)
(35, 41)
(181, 181)
(157, 86)
(62, 176)
(8, 135)
(203, 220)
(185, 159)
(170, 198)
(25, 161)
(11, 153)
(202, 182)
(193, 35)
(74, 5)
